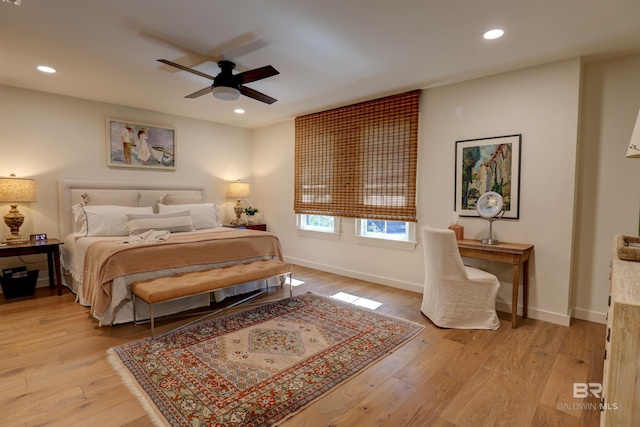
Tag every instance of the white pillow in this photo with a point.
(181, 198)
(107, 197)
(170, 221)
(204, 215)
(104, 220)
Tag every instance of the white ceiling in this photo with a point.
(328, 52)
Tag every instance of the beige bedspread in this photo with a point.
(106, 260)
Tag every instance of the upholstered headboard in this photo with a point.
(71, 190)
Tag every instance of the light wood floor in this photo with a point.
(53, 369)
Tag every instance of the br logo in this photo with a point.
(583, 390)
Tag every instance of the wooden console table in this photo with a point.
(516, 254)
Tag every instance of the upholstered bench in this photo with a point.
(169, 288)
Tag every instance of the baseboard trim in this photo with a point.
(591, 316)
(534, 313)
(407, 286)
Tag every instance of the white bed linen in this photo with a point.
(120, 310)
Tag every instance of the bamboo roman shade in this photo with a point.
(359, 161)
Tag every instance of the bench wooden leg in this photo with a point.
(152, 320)
(133, 301)
(290, 285)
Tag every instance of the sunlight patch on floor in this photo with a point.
(356, 300)
(294, 282)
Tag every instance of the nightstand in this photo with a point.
(51, 247)
(260, 227)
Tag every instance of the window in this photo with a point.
(388, 230)
(318, 223)
(359, 161)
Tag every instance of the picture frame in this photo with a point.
(139, 145)
(488, 164)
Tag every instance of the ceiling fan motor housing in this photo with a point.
(226, 77)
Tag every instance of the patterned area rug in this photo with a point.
(256, 367)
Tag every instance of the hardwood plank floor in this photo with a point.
(54, 372)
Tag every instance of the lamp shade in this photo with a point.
(634, 145)
(17, 190)
(238, 190)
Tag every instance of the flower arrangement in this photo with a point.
(251, 211)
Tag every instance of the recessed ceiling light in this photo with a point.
(46, 69)
(238, 111)
(494, 34)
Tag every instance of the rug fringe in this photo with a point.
(129, 381)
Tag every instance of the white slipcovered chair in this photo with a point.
(455, 295)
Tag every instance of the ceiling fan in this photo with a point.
(228, 86)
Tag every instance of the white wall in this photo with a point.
(541, 103)
(609, 193)
(49, 137)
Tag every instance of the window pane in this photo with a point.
(381, 229)
(321, 221)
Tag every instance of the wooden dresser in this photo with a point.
(620, 402)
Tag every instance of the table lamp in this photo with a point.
(238, 190)
(13, 191)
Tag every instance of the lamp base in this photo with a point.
(238, 209)
(14, 219)
(489, 241)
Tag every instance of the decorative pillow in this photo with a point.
(181, 198)
(169, 221)
(105, 220)
(204, 215)
(115, 198)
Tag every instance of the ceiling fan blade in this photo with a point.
(190, 57)
(252, 93)
(182, 67)
(257, 74)
(201, 92)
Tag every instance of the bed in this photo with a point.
(116, 233)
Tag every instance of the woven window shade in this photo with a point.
(359, 161)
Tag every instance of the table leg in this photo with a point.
(525, 289)
(56, 260)
(50, 268)
(514, 299)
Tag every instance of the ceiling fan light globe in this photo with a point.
(226, 93)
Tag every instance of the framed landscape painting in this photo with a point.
(139, 145)
(488, 164)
